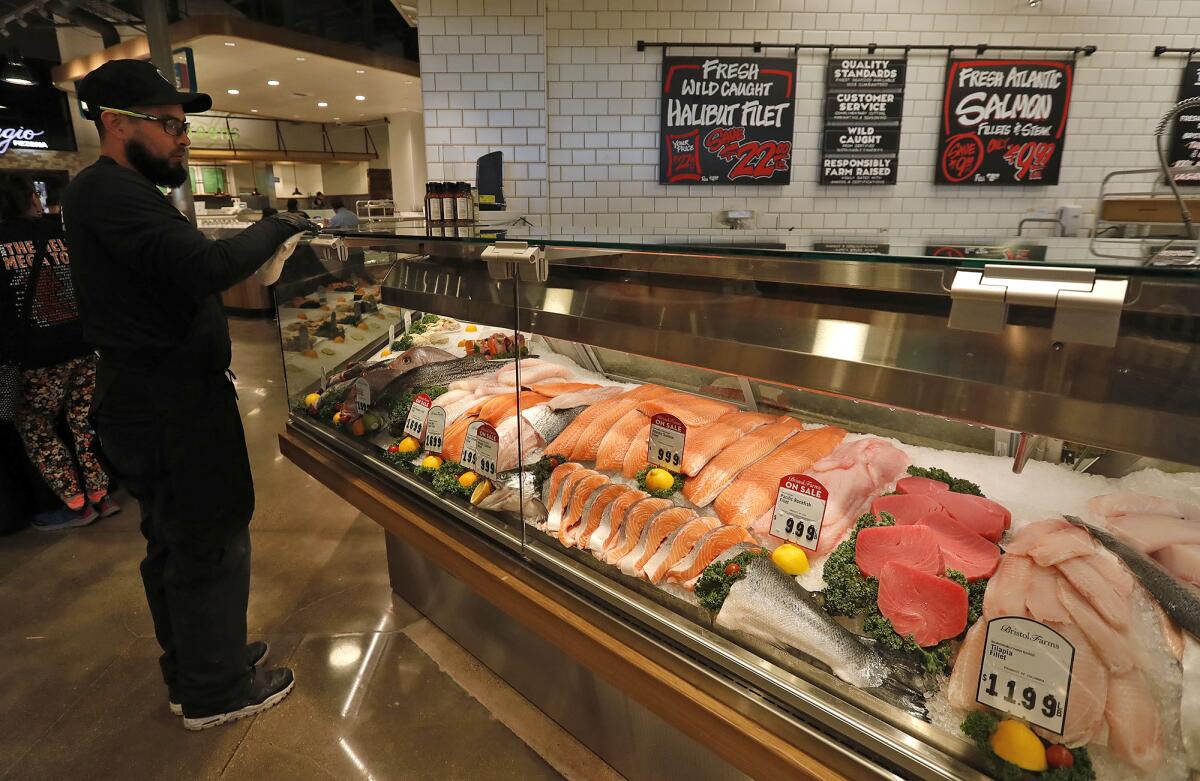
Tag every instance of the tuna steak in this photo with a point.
(929, 608)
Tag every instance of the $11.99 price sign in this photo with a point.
(487, 451)
(665, 446)
(1026, 671)
(799, 511)
(417, 413)
(435, 429)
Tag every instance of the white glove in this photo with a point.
(268, 273)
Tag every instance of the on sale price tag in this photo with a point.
(362, 395)
(487, 451)
(470, 458)
(417, 413)
(391, 334)
(1026, 671)
(665, 446)
(799, 511)
(435, 430)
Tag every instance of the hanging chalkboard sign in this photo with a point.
(1004, 122)
(1185, 136)
(864, 102)
(727, 120)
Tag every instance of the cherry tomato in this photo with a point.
(732, 568)
(394, 449)
(1059, 756)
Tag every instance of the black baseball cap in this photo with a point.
(129, 83)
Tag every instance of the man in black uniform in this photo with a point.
(165, 409)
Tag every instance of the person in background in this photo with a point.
(149, 285)
(293, 207)
(54, 205)
(342, 217)
(269, 211)
(40, 320)
(318, 200)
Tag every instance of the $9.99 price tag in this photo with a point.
(435, 428)
(470, 457)
(1026, 671)
(799, 511)
(665, 446)
(417, 413)
(487, 451)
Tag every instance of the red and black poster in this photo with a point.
(864, 101)
(727, 120)
(1185, 136)
(1004, 121)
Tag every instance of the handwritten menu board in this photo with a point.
(727, 120)
(1185, 136)
(1004, 122)
(864, 102)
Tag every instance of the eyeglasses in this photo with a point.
(172, 125)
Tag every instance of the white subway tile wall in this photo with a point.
(560, 88)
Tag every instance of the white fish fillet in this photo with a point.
(1129, 503)
(586, 398)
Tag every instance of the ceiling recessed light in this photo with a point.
(230, 43)
(272, 82)
(234, 91)
(360, 70)
(253, 111)
(300, 59)
(360, 97)
(321, 104)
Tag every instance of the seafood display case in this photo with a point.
(928, 517)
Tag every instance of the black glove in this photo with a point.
(295, 223)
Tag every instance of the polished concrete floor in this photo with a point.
(381, 693)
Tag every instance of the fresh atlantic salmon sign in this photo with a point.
(727, 120)
(1004, 121)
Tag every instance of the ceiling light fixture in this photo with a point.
(234, 91)
(253, 111)
(321, 104)
(300, 59)
(15, 71)
(360, 70)
(230, 43)
(272, 82)
(360, 97)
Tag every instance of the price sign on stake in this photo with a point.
(362, 395)
(391, 334)
(799, 511)
(470, 458)
(435, 429)
(665, 446)
(417, 413)
(487, 451)
(1026, 671)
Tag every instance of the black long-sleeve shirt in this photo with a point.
(147, 280)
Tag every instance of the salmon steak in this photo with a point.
(678, 545)
(612, 519)
(656, 531)
(705, 552)
(635, 521)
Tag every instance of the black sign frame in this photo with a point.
(37, 117)
(1022, 150)
(1185, 152)
(872, 118)
(724, 138)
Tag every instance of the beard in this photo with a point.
(159, 170)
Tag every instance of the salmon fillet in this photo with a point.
(589, 441)
(612, 519)
(564, 443)
(691, 410)
(455, 437)
(593, 512)
(754, 491)
(716, 476)
(710, 546)
(553, 390)
(964, 676)
(616, 443)
(678, 545)
(659, 528)
(635, 457)
(703, 444)
(583, 490)
(636, 519)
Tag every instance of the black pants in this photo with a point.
(177, 442)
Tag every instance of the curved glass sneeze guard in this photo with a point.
(942, 250)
